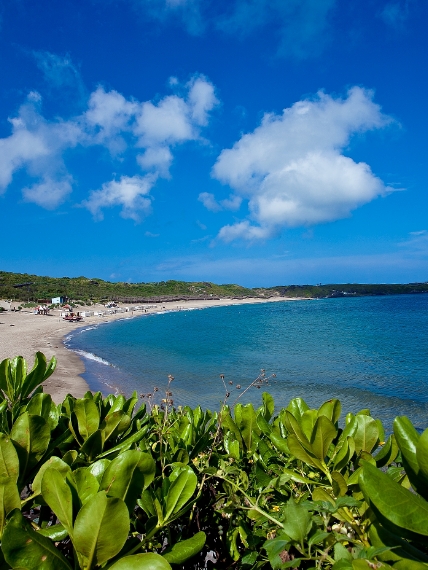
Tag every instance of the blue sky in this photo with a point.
(261, 142)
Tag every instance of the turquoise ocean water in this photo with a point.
(371, 352)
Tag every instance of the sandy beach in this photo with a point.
(24, 333)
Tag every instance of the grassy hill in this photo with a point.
(27, 287)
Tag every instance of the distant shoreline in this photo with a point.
(24, 333)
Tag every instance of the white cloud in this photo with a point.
(175, 119)
(292, 169)
(144, 131)
(49, 193)
(37, 144)
(210, 203)
(108, 116)
(243, 230)
(131, 193)
(157, 157)
(166, 122)
(201, 99)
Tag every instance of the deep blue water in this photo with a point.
(368, 351)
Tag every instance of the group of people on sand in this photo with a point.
(41, 310)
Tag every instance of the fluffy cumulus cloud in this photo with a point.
(37, 145)
(292, 169)
(143, 130)
(131, 193)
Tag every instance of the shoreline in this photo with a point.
(24, 333)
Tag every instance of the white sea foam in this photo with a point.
(91, 356)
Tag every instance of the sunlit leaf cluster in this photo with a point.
(107, 482)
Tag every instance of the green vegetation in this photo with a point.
(33, 288)
(104, 483)
(22, 286)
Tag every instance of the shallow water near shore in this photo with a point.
(370, 352)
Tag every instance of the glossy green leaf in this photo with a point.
(320, 494)
(180, 491)
(87, 484)
(300, 453)
(227, 423)
(40, 372)
(307, 422)
(98, 468)
(9, 462)
(407, 439)
(30, 435)
(395, 503)
(9, 500)
(400, 548)
(94, 445)
(388, 452)
(101, 529)
(25, 548)
(42, 405)
(323, 434)
(422, 454)
(147, 561)
(366, 434)
(128, 475)
(118, 403)
(54, 462)
(331, 409)
(57, 494)
(125, 444)
(345, 454)
(129, 405)
(232, 446)
(246, 420)
(111, 422)
(340, 487)
(354, 477)
(263, 424)
(5, 378)
(88, 417)
(147, 503)
(185, 549)
(296, 521)
(297, 407)
(55, 532)
(280, 443)
(288, 474)
(268, 406)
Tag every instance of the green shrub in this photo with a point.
(107, 482)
